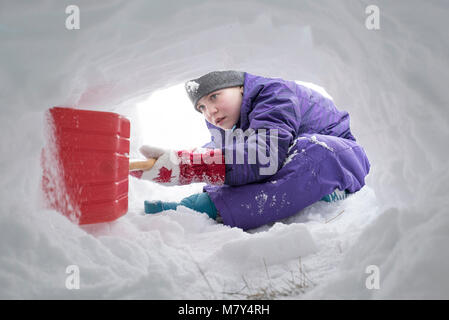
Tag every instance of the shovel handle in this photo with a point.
(142, 165)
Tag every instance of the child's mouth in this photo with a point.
(220, 120)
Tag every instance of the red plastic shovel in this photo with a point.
(85, 164)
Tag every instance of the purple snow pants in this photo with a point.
(316, 164)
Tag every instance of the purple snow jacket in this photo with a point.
(316, 153)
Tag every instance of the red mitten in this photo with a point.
(185, 166)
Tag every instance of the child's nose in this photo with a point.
(213, 109)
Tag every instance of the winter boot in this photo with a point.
(335, 196)
(200, 202)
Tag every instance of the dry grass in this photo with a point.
(327, 221)
(298, 284)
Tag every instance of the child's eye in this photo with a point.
(213, 96)
(200, 107)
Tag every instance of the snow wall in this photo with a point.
(391, 81)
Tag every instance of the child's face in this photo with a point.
(222, 107)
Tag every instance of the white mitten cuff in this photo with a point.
(165, 170)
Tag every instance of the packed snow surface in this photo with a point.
(392, 81)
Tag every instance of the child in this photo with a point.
(314, 155)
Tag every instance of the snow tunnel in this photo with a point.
(384, 62)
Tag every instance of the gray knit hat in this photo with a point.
(215, 80)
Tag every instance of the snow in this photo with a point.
(192, 86)
(321, 143)
(261, 199)
(312, 139)
(290, 158)
(392, 82)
